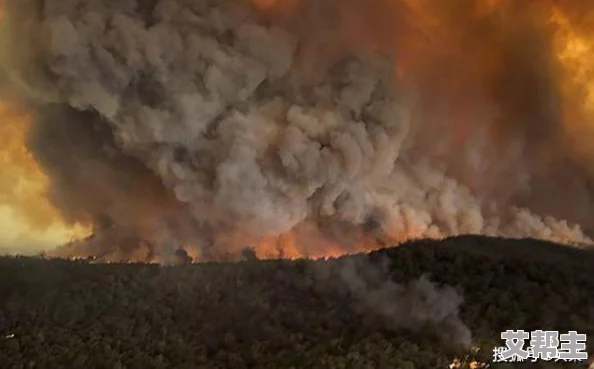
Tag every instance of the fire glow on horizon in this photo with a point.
(422, 42)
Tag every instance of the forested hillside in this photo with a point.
(361, 311)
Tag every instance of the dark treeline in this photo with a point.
(284, 314)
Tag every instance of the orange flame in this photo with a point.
(28, 222)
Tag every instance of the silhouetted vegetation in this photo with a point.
(282, 314)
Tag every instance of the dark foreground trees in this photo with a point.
(283, 314)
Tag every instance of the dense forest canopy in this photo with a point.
(337, 313)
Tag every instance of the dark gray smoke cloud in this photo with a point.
(187, 121)
(92, 180)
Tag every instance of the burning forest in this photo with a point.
(297, 127)
(172, 131)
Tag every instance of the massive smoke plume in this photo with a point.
(223, 124)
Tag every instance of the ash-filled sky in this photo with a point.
(223, 124)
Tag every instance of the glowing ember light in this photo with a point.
(576, 54)
(574, 50)
(28, 222)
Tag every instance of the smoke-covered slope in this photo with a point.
(354, 312)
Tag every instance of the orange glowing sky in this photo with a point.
(28, 222)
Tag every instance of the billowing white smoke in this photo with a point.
(210, 100)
